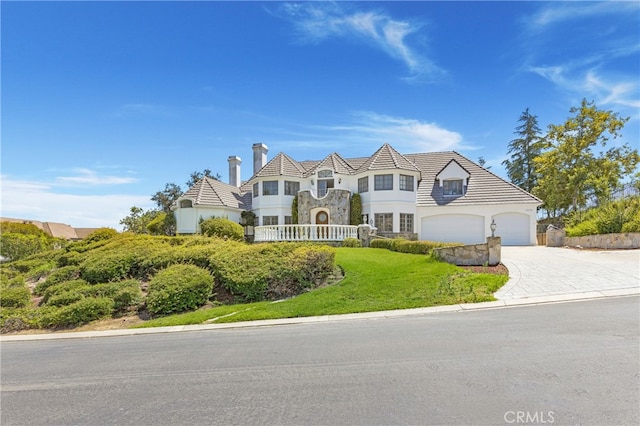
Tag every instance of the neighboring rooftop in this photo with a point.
(55, 229)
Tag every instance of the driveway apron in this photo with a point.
(537, 271)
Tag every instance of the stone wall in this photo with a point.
(557, 238)
(411, 236)
(336, 202)
(473, 254)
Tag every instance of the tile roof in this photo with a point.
(211, 192)
(281, 165)
(387, 158)
(483, 187)
(334, 162)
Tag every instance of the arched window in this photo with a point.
(186, 204)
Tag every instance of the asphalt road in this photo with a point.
(568, 363)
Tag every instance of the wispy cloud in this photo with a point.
(592, 71)
(40, 201)
(560, 12)
(318, 21)
(91, 177)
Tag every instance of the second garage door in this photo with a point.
(461, 228)
(513, 228)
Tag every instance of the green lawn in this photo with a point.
(375, 280)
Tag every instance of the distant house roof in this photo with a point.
(55, 229)
(211, 192)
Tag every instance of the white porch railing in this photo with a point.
(304, 232)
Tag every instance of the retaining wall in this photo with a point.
(628, 240)
(473, 254)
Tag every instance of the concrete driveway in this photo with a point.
(539, 271)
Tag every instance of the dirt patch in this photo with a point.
(498, 269)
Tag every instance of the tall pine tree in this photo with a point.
(520, 167)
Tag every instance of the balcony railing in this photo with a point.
(304, 232)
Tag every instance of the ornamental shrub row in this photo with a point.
(406, 246)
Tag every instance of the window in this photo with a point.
(363, 184)
(324, 186)
(288, 220)
(255, 190)
(270, 187)
(384, 222)
(452, 187)
(291, 188)
(406, 183)
(269, 220)
(383, 182)
(406, 222)
(185, 204)
(325, 174)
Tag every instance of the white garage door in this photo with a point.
(513, 228)
(460, 228)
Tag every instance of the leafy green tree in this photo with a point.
(355, 213)
(570, 171)
(138, 220)
(19, 240)
(294, 210)
(521, 168)
(196, 176)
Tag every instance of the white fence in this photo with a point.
(304, 232)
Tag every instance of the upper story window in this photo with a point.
(270, 187)
(383, 182)
(185, 204)
(363, 184)
(406, 183)
(255, 190)
(325, 174)
(291, 188)
(325, 182)
(452, 187)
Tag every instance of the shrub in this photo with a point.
(582, 229)
(66, 273)
(100, 235)
(78, 313)
(14, 297)
(105, 267)
(179, 288)
(70, 258)
(355, 211)
(632, 226)
(19, 240)
(66, 286)
(64, 298)
(406, 246)
(125, 294)
(351, 242)
(222, 228)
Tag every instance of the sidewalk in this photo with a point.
(537, 275)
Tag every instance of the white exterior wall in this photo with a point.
(188, 219)
(394, 201)
(522, 213)
(274, 205)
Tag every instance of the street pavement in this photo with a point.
(537, 275)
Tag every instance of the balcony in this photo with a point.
(304, 233)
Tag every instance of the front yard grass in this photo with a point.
(374, 280)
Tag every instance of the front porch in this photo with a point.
(304, 232)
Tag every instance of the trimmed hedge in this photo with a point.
(179, 288)
(14, 297)
(125, 294)
(63, 287)
(351, 242)
(78, 313)
(222, 228)
(406, 246)
(66, 273)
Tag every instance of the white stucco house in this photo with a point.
(440, 196)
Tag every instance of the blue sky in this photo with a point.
(103, 103)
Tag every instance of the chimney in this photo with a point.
(259, 156)
(234, 171)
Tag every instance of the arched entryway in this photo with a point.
(322, 218)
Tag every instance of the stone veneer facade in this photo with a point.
(336, 202)
(473, 254)
(629, 240)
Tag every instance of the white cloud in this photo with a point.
(317, 21)
(560, 12)
(38, 201)
(90, 177)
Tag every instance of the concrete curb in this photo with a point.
(464, 307)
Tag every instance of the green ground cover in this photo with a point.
(374, 280)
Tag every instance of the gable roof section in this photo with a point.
(483, 186)
(281, 165)
(211, 192)
(387, 158)
(453, 161)
(334, 162)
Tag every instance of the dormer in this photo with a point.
(453, 179)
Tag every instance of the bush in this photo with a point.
(63, 287)
(105, 267)
(78, 313)
(351, 242)
(100, 235)
(125, 294)
(179, 288)
(66, 273)
(582, 229)
(222, 228)
(632, 226)
(14, 297)
(19, 240)
(406, 246)
(65, 298)
(70, 258)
